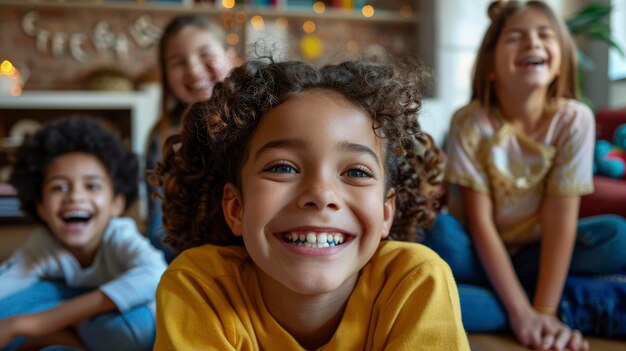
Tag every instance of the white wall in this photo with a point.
(617, 99)
(617, 64)
(460, 26)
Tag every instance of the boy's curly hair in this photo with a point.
(60, 137)
(213, 144)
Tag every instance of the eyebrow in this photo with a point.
(280, 144)
(63, 177)
(520, 29)
(203, 47)
(360, 149)
(299, 144)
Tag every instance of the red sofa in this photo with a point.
(610, 194)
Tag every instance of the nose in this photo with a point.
(533, 40)
(195, 65)
(319, 192)
(75, 194)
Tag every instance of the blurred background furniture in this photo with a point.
(609, 196)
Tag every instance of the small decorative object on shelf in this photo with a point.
(9, 202)
(12, 79)
(67, 39)
(109, 79)
(173, 2)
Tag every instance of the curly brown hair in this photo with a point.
(68, 135)
(213, 144)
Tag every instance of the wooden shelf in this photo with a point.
(380, 16)
(142, 104)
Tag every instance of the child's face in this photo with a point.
(194, 62)
(527, 54)
(78, 201)
(315, 171)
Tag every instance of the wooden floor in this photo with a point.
(497, 342)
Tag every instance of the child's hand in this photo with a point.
(7, 331)
(541, 331)
(12, 327)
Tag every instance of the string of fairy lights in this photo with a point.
(310, 45)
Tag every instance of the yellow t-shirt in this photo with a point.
(404, 299)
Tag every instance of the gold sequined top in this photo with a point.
(490, 155)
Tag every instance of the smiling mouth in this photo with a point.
(313, 239)
(532, 62)
(77, 217)
(199, 86)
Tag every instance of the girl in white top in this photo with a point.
(520, 156)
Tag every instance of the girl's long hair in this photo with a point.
(564, 85)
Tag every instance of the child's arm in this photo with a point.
(570, 177)
(17, 273)
(142, 266)
(28, 264)
(492, 253)
(559, 216)
(68, 313)
(529, 326)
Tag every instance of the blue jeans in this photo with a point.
(600, 250)
(131, 330)
(156, 232)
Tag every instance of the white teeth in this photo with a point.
(313, 239)
(338, 238)
(76, 214)
(322, 239)
(200, 85)
(533, 60)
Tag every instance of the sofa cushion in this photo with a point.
(609, 197)
(607, 120)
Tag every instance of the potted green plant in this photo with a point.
(590, 23)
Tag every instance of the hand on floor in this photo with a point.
(541, 331)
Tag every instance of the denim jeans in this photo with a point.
(600, 250)
(156, 232)
(131, 330)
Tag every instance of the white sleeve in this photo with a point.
(25, 267)
(144, 265)
(572, 170)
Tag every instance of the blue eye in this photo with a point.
(359, 173)
(281, 168)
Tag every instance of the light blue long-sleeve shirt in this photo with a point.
(126, 268)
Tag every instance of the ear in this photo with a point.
(389, 212)
(232, 206)
(118, 205)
